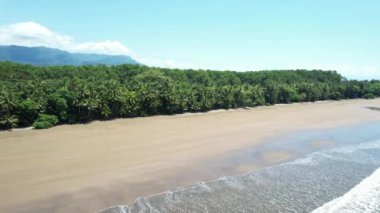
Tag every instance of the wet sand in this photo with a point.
(84, 168)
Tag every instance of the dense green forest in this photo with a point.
(49, 95)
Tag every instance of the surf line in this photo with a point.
(364, 197)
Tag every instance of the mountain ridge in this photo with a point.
(46, 56)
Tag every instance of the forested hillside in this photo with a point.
(44, 56)
(46, 96)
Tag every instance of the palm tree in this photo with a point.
(7, 107)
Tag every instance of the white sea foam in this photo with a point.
(115, 209)
(362, 146)
(313, 158)
(244, 193)
(364, 197)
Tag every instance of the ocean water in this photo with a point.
(341, 179)
(364, 197)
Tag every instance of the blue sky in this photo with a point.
(343, 35)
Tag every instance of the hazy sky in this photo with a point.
(343, 35)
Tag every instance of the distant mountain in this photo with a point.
(49, 56)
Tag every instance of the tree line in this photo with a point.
(44, 96)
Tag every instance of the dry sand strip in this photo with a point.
(83, 168)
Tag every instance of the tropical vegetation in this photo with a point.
(44, 96)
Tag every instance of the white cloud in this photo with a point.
(32, 34)
(104, 47)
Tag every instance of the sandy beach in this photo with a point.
(84, 168)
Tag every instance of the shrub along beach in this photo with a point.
(49, 95)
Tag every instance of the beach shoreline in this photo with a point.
(81, 168)
(185, 114)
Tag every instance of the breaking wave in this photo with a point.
(364, 197)
(325, 181)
